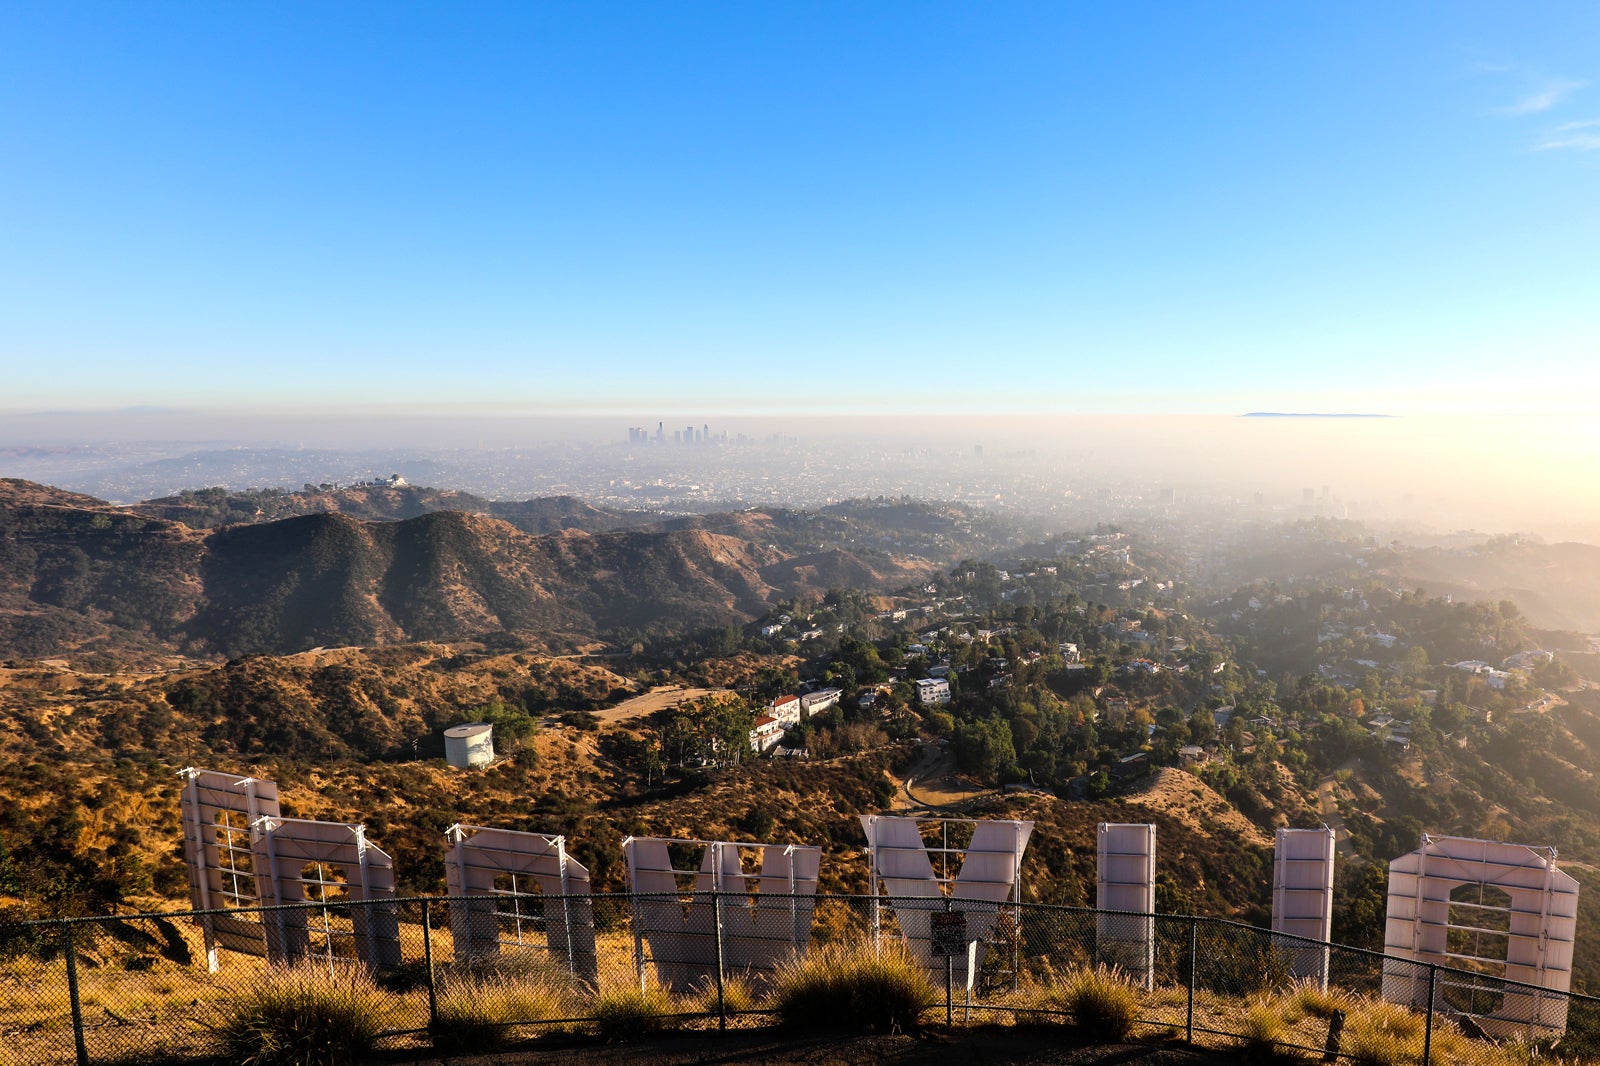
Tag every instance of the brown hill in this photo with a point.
(820, 571)
(17, 492)
(76, 572)
(355, 734)
(1190, 801)
(216, 507)
(78, 575)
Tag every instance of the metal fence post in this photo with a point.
(427, 956)
(71, 953)
(638, 939)
(949, 979)
(716, 926)
(1427, 1033)
(1194, 962)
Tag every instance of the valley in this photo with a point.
(1103, 675)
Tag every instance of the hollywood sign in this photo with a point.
(1503, 910)
(682, 912)
(987, 873)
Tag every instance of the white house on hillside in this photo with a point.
(820, 700)
(785, 710)
(767, 734)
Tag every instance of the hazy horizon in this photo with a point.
(1495, 473)
(1097, 236)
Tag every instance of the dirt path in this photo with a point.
(932, 782)
(1020, 1046)
(655, 700)
(1334, 820)
(927, 759)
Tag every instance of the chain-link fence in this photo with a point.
(469, 973)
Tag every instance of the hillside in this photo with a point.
(17, 492)
(215, 507)
(88, 765)
(78, 576)
(466, 617)
(88, 792)
(1556, 585)
(882, 527)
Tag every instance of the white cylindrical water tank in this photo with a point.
(469, 746)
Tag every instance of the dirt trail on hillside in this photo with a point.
(1333, 819)
(655, 700)
(933, 782)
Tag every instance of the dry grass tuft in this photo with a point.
(842, 988)
(1100, 1003)
(1264, 1026)
(477, 1008)
(737, 995)
(1309, 997)
(1383, 1034)
(302, 1016)
(623, 1014)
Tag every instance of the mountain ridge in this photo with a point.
(79, 573)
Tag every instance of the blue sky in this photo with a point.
(740, 208)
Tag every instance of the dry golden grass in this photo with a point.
(851, 987)
(1100, 1003)
(1382, 1034)
(1265, 1025)
(155, 1011)
(124, 1011)
(305, 1015)
(1309, 997)
(737, 995)
(476, 1011)
(623, 1014)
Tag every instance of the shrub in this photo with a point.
(628, 1013)
(1308, 997)
(409, 976)
(1382, 1034)
(303, 1016)
(1100, 1003)
(477, 1009)
(587, 721)
(839, 988)
(737, 996)
(1263, 1027)
(1450, 1044)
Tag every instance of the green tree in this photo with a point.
(984, 748)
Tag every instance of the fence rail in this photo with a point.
(136, 987)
